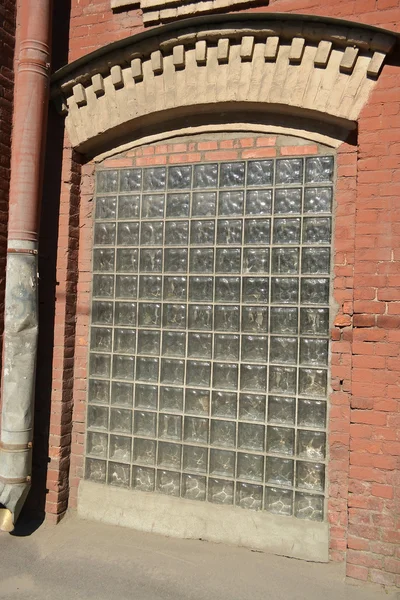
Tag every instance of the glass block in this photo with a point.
(174, 343)
(255, 319)
(128, 234)
(144, 423)
(223, 433)
(316, 260)
(283, 350)
(226, 318)
(150, 287)
(278, 501)
(99, 391)
(319, 169)
(285, 261)
(100, 339)
(205, 176)
(224, 404)
(147, 369)
(126, 286)
(230, 203)
(309, 506)
(311, 445)
(106, 207)
(120, 448)
(123, 367)
(153, 206)
(200, 316)
(201, 260)
(289, 170)
(175, 288)
(220, 491)
(229, 231)
(148, 342)
(107, 181)
(254, 348)
(251, 437)
(103, 259)
(97, 417)
(195, 459)
(95, 470)
(257, 231)
(284, 320)
(176, 233)
(282, 380)
(143, 479)
(128, 207)
(313, 382)
(103, 286)
(154, 178)
(146, 396)
(280, 440)
(227, 289)
(260, 172)
(258, 202)
(201, 289)
(102, 313)
(149, 314)
(193, 488)
(232, 174)
(99, 365)
(256, 260)
(170, 428)
(287, 231)
(177, 205)
(174, 316)
(314, 321)
(310, 476)
(171, 399)
(203, 204)
(127, 260)
(172, 371)
(255, 289)
(250, 466)
(97, 444)
(199, 345)
(222, 462)
(175, 260)
(168, 483)
(281, 410)
(122, 393)
(121, 420)
(197, 402)
(151, 233)
(314, 351)
(125, 341)
(317, 231)
(279, 471)
(226, 347)
(196, 430)
(249, 496)
(253, 378)
(284, 290)
(202, 232)
(252, 407)
(104, 234)
(318, 200)
(228, 260)
(179, 177)
(287, 201)
(198, 373)
(311, 413)
(130, 180)
(225, 375)
(144, 451)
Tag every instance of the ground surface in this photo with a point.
(91, 561)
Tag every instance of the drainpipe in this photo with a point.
(21, 304)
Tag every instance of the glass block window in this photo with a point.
(209, 340)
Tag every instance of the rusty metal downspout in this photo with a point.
(21, 306)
